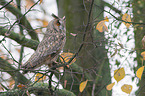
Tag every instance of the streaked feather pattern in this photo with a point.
(50, 47)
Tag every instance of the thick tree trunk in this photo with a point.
(139, 32)
(100, 54)
(93, 56)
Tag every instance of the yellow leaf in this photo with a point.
(21, 86)
(83, 86)
(126, 88)
(13, 4)
(3, 57)
(126, 18)
(139, 72)
(44, 21)
(11, 83)
(19, 50)
(29, 3)
(106, 19)
(66, 57)
(119, 74)
(40, 77)
(143, 55)
(110, 86)
(101, 27)
(40, 2)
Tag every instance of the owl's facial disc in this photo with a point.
(59, 25)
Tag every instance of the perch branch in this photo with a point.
(4, 65)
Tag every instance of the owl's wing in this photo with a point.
(51, 45)
(47, 49)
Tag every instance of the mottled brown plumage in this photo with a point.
(49, 48)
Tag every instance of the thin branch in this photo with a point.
(21, 18)
(20, 39)
(119, 18)
(22, 47)
(7, 66)
(8, 32)
(6, 4)
(50, 80)
(81, 46)
(38, 80)
(4, 86)
(111, 7)
(10, 54)
(37, 89)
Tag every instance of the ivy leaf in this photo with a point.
(119, 74)
(83, 86)
(139, 72)
(110, 86)
(126, 88)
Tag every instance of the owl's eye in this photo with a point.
(58, 23)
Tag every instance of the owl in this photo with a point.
(51, 45)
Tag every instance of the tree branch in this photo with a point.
(21, 18)
(38, 89)
(20, 39)
(111, 7)
(6, 4)
(7, 67)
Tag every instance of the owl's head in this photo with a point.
(59, 23)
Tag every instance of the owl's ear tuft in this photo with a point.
(54, 16)
(63, 18)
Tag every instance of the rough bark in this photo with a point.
(92, 56)
(139, 32)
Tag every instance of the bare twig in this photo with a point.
(86, 28)
(6, 4)
(8, 32)
(10, 54)
(19, 39)
(111, 7)
(21, 17)
(7, 66)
